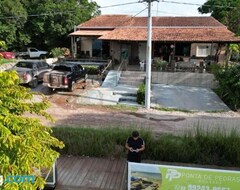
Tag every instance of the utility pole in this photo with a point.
(148, 57)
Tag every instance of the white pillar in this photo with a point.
(148, 59)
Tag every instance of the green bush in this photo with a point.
(159, 64)
(60, 51)
(141, 94)
(201, 147)
(92, 70)
(229, 85)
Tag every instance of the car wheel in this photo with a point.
(85, 78)
(34, 83)
(71, 87)
(50, 90)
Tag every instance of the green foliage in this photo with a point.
(225, 11)
(92, 70)
(13, 18)
(6, 61)
(199, 147)
(25, 143)
(213, 68)
(43, 25)
(159, 64)
(105, 142)
(56, 52)
(173, 109)
(3, 45)
(229, 85)
(141, 94)
(60, 51)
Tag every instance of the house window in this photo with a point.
(203, 50)
(183, 49)
(97, 48)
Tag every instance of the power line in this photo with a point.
(197, 4)
(120, 24)
(117, 5)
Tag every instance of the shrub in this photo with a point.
(92, 70)
(141, 94)
(229, 85)
(105, 142)
(159, 64)
(57, 52)
(199, 147)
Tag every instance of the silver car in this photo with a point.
(31, 71)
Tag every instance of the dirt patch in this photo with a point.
(72, 115)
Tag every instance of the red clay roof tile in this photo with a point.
(125, 27)
(172, 34)
(114, 21)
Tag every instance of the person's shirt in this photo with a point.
(135, 144)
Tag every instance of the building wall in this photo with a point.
(115, 50)
(86, 45)
(211, 47)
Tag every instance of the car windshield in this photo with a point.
(25, 64)
(61, 68)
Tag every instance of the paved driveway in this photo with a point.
(186, 98)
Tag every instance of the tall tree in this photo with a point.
(42, 23)
(11, 24)
(25, 144)
(225, 11)
(50, 21)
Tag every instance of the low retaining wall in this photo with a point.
(6, 66)
(205, 80)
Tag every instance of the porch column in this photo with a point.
(173, 47)
(72, 46)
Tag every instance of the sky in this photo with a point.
(161, 8)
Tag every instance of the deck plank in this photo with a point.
(90, 173)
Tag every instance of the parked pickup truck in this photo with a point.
(32, 53)
(65, 76)
(31, 71)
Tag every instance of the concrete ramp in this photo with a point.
(186, 98)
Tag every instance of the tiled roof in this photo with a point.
(125, 27)
(89, 32)
(113, 21)
(173, 34)
(105, 21)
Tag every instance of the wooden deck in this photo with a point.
(84, 173)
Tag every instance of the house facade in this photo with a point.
(178, 38)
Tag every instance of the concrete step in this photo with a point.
(131, 78)
(124, 93)
(133, 74)
(131, 83)
(127, 99)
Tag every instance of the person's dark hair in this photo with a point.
(135, 134)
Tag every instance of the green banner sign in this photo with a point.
(164, 177)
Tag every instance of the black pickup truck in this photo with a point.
(65, 76)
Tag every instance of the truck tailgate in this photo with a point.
(54, 78)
